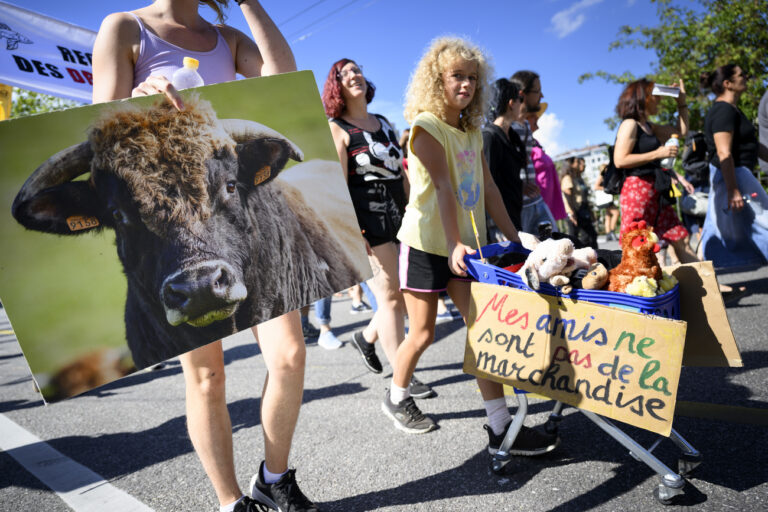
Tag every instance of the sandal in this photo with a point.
(734, 295)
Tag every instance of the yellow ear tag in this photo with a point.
(79, 222)
(262, 175)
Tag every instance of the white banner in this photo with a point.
(46, 55)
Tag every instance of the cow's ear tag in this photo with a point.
(80, 222)
(262, 175)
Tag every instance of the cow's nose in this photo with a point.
(201, 289)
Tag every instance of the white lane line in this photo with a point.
(79, 487)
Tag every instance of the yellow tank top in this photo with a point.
(422, 228)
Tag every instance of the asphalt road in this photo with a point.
(349, 457)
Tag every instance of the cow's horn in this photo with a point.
(62, 167)
(241, 130)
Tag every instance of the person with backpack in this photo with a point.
(735, 232)
(695, 164)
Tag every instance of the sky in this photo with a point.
(558, 39)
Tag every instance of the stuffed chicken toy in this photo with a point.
(639, 246)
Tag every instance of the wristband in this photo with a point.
(239, 2)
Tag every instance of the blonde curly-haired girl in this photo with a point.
(426, 89)
(449, 179)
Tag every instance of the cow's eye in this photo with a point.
(231, 187)
(118, 215)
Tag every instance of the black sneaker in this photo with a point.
(247, 504)
(367, 352)
(363, 307)
(418, 389)
(407, 416)
(283, 495)
(309, 330)
(529, 442)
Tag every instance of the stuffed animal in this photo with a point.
(580, 259)
(546, 262)
(642, 286)
(639, 246)
(594, 277)
(667, 283)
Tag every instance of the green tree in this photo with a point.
(26, 103)
(691, 39)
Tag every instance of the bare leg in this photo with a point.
(683, 251)
(441, 307)
(673, 259)
(208, 423)
(422, 308)
(388, 323)
(284, 353)
(686, 255)
(356, 294)
(614, 218)
(460, 295)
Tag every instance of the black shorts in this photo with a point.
(379, 206)
(421, 271)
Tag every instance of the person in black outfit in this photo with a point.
(735, 231)
(372, 160)
(503, 149)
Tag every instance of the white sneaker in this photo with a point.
(328, 340)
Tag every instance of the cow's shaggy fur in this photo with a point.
(160, 154)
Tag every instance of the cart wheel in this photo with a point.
(687, 463)
(663, 501)
(668, 495)
(552, 426)
(497, 466)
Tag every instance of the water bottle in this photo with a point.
(669, 162)
(187, 76)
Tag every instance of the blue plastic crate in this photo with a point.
(666, 305)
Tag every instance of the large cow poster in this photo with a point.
(133, 232)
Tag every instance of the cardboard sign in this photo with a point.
(615, 363)
(133, 232)
(709, 340)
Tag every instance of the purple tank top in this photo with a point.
(159, 57)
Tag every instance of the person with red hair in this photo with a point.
(372, 160)
(645, 194)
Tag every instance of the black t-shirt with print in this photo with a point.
(372, 156)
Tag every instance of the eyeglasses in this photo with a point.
(533, 91)
(350, 72)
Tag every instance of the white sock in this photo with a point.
(397, 394)
(498, 414)
(231, 506)
(270, 477)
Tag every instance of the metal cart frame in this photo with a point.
(671, 483)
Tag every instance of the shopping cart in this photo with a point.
(666, 305)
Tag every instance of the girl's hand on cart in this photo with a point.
(456, 258)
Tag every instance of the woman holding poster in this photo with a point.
(134, 55)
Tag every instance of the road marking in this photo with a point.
(79, 487)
